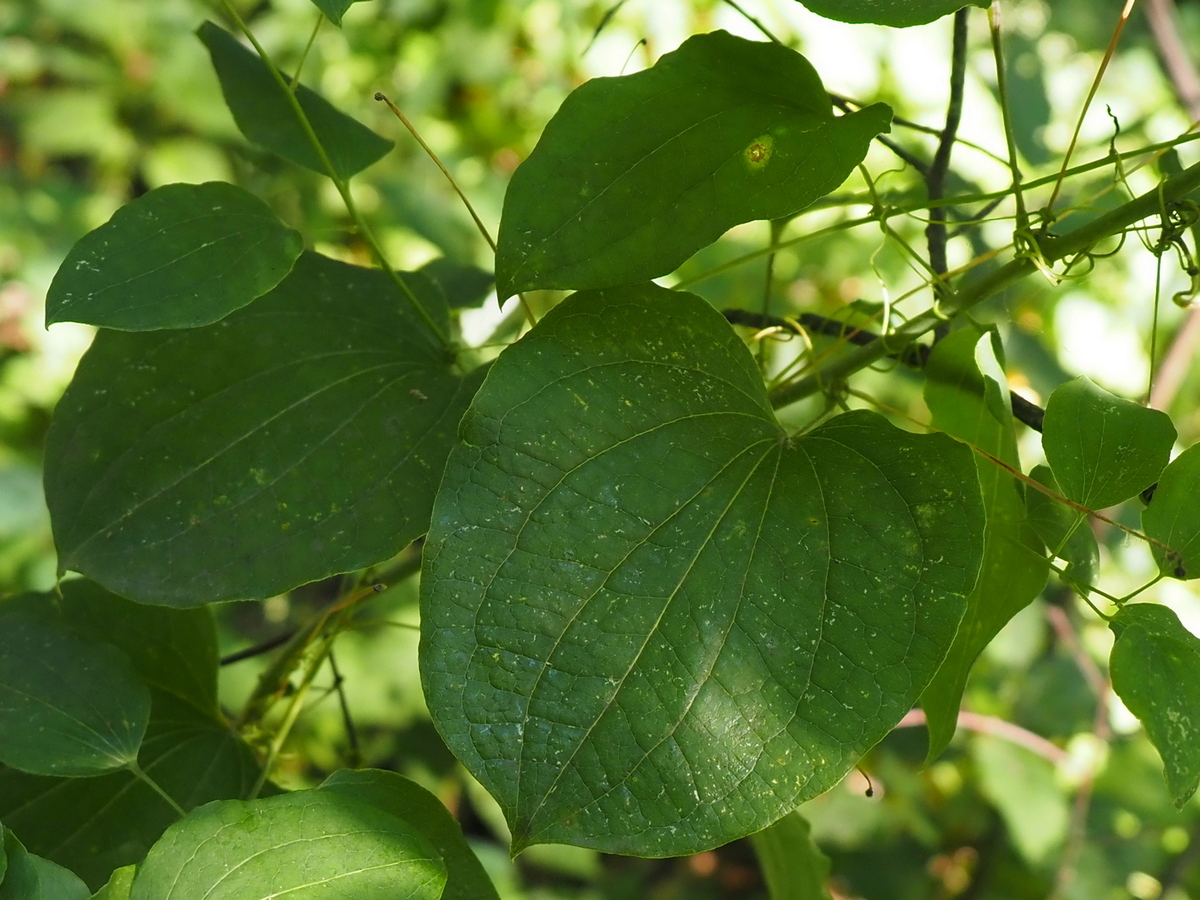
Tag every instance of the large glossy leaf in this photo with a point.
(67, 706)
(1065, 531)
(300, 437)
(792, 865)
(310, 845)
(407, 800)
(1155, 669)
(896, 13)
(635, 174)
(1103, 449)
(652, 622)
(967, 396)
(263, 113)
(180, 256)
(94, 825)
(1173, 516)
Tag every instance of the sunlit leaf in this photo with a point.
(1155, 669)
(310, 845)
(896, 13)
(967, 396)
(425, 814)
(634, 174)
(180, 256)
(264, 114)
(1066, 532)
(300, 437)
(1101, 448)
(119, 886)
(1173, 516)
(792, 865)
(67, 706)
(652, 622)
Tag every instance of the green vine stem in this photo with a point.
(974, 291)
(341, 184)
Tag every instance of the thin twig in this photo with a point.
(258, 649)
(1065, 631)
(935, 177)
(998, 728)
(347, 722)
(1006, 115)
(753, 21)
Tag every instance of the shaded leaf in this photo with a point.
(334, 9)
(464, 286)
(300, 437)
(57, 883)
(1103, 449)
(1173, 516)
(95, 825)
(21, 874)
(261, 108)
(792, 865)
(179, 256)
(1155, 669)
(967, 396)
(425, 814)
(173, 651)
(896, 13)
(1065, 532)
(635, 174)
(67, 706)
(305, 846)
(652, 622)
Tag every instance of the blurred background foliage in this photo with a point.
(1053, 791)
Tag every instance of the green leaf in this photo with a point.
(334, 9)
(896, 13)
(95, 825)
(635, 174)
(1155, 669)
(967, 396)
(173, 651)
(264, 114)
(67, 706)
(180, 256)
(792, 865)
(465, 286)
(119, 886)
(1024, 789)
(21, 875)
(426, 815)
(1173, 516)
(1065, 532)
(652, 622)
(300, 437)
(309, 845)
(58, 883)
(1101, 448)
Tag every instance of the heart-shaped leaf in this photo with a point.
(300, 437)
(1173, 516)
(652, 622)
(309, 845)
(1103, 449)
(261, 108)
(180, 256)
(635, 174)
(967, 396)
(1155, 667)
(67, 706)
(896, 13)
(407, 800)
